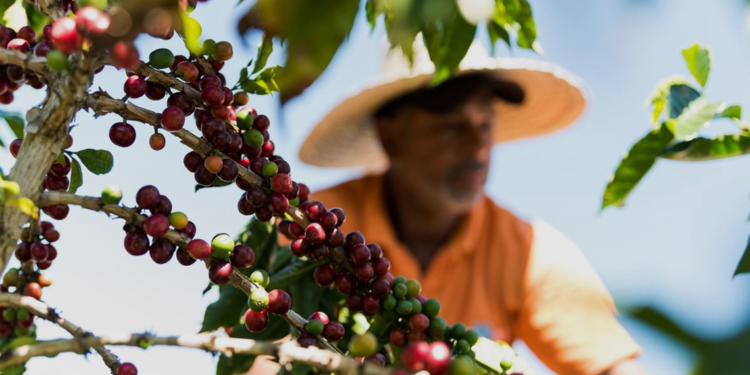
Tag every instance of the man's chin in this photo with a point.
(464, 201)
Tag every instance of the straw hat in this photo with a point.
(346, 137)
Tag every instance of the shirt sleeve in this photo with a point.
(567, 317)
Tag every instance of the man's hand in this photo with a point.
(626, 367)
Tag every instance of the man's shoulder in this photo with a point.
(505, 217)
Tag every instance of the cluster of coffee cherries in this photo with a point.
(223, 253)
(18, 322)
(55, 180)
(36, 249)
(219, 102)
(33, 248)
(156, 225)
(13, 77)
(261, 303)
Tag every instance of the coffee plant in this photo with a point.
(331, 290)
(680, 112)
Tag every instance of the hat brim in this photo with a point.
(552, 99)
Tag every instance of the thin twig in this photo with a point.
(28, 61)
(43, 311)
(238, 279)
(286, 352)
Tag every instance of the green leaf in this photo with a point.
(496, 32)
(243, 75)
(696, 115)
(14, 16)
(264, 50)
(14, 370)
(76, 177)
(635, 165)
(256, 86)
(306, 295)
(658, 108)
(373, 9)
(15, 122)
(698, 60)
(458, 39)
(4, 5)
(208, 288)
(217, 183)
(240, 364)
(282, 258)
(96, 161)
(733, 112)
(701, 149)
(292, 273)
(662, 323)
(312, 31)
(744, 265)
(261, 236)
(191, 31)
(680, 96)
(36, 19)
(299, 368)
(236, 364)
(526, 28)
(226, 311)
(20, 341)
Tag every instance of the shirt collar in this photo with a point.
(379, 228)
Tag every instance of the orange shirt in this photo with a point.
(523, 281)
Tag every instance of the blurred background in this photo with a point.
(673, 247)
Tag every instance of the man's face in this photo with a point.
(443, 156)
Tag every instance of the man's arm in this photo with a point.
(626, 367)
(568, 318)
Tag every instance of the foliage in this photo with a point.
(675, 133)
(312, 32)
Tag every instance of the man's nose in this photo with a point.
(478, 137)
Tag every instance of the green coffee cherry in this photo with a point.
(416, 306)
(431, 307)
(364, 345)
(208, 46)
(253, 138)
(437, 327)
(222, 246)
(413, 288)
(57, 61)
(404, 307)
(270, 169)
(462, 365)
(463, 346)
(314, 327)
(245, 119)
(471, 336)
(399, 290)
(258, 300)
(261, 277)
(112, 194)
(22, 314)
(389, 302)
(9, 315)
(457, 331)
(161, 58)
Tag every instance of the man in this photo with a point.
(426, 207)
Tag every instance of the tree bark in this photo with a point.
(46, 131)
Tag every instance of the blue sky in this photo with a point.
(675, 245)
